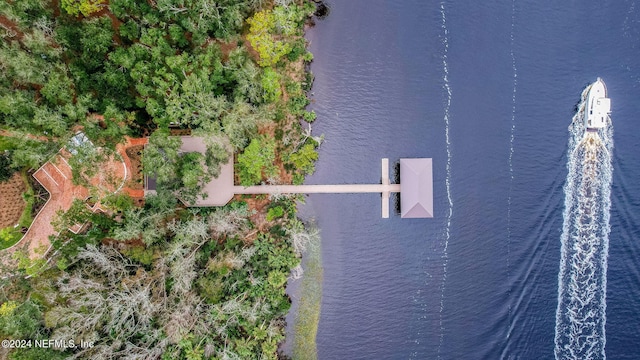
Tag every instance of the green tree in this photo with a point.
(162, 201)
(86, 7)
(129, 30)
(26, 12)
(271, 85)
(30, 153)
(20, 66)
(49, 122)
(78, 214)
(240, 123)
(17, 109)
(36, 353)
(58, 90)
(246, 76)
(257, 158)
(20, 321)
(39, 40)
(134, 9)
(216, 155)
(262, 26)
(304, 159)
(193, 175)
(6, 170)
(118, 202)
(195, 104)
(84, 161)
(109, 130)
(161, 157)
(142, 224)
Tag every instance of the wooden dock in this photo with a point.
(416, 191)
(385, 189)
(316, 189)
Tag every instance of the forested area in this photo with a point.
(158, 280)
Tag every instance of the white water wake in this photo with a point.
(582, 281)
(511, 151)
(447, 235)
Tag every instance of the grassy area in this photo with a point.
(9, 236)
(26, 219)
(306, 322)
(7, 143)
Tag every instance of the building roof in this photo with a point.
(416, 188)
(77, 141)
(219, 190)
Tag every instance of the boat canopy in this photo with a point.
(598, 106)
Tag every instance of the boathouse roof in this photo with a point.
(219, 190)
(416, 188)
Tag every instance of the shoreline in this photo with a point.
(306, 292)
(307, 312)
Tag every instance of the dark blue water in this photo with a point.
(487, 89)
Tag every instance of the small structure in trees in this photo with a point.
(216, 189)
(77, 141)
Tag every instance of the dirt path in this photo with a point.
(12, 27)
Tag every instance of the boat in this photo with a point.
(598, 106)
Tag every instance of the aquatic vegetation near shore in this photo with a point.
(308, 313)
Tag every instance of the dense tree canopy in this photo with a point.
(86, 7)
(151, 278)
(6, 170)
(257, 159)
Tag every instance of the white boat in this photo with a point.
(598, 106)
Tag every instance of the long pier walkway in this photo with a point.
(385, 189)
(416, 191)
(316, 189)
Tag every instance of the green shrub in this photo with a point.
(309, 116)
(140, 254)
(308, 56)
(297, 104)
(118, 202)
(211, 288)
(86, 7)
(275, 213)
(304, 159)
(9, 236)
(271, 85)
(297, 50)
(20, 321)
(6, 170)
(257, 158)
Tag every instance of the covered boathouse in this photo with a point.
(416, 188)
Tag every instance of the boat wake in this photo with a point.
(582, 281)
(447, 235)
(511, 152)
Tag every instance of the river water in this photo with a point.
(487, 89)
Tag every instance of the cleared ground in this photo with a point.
(11, 202)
